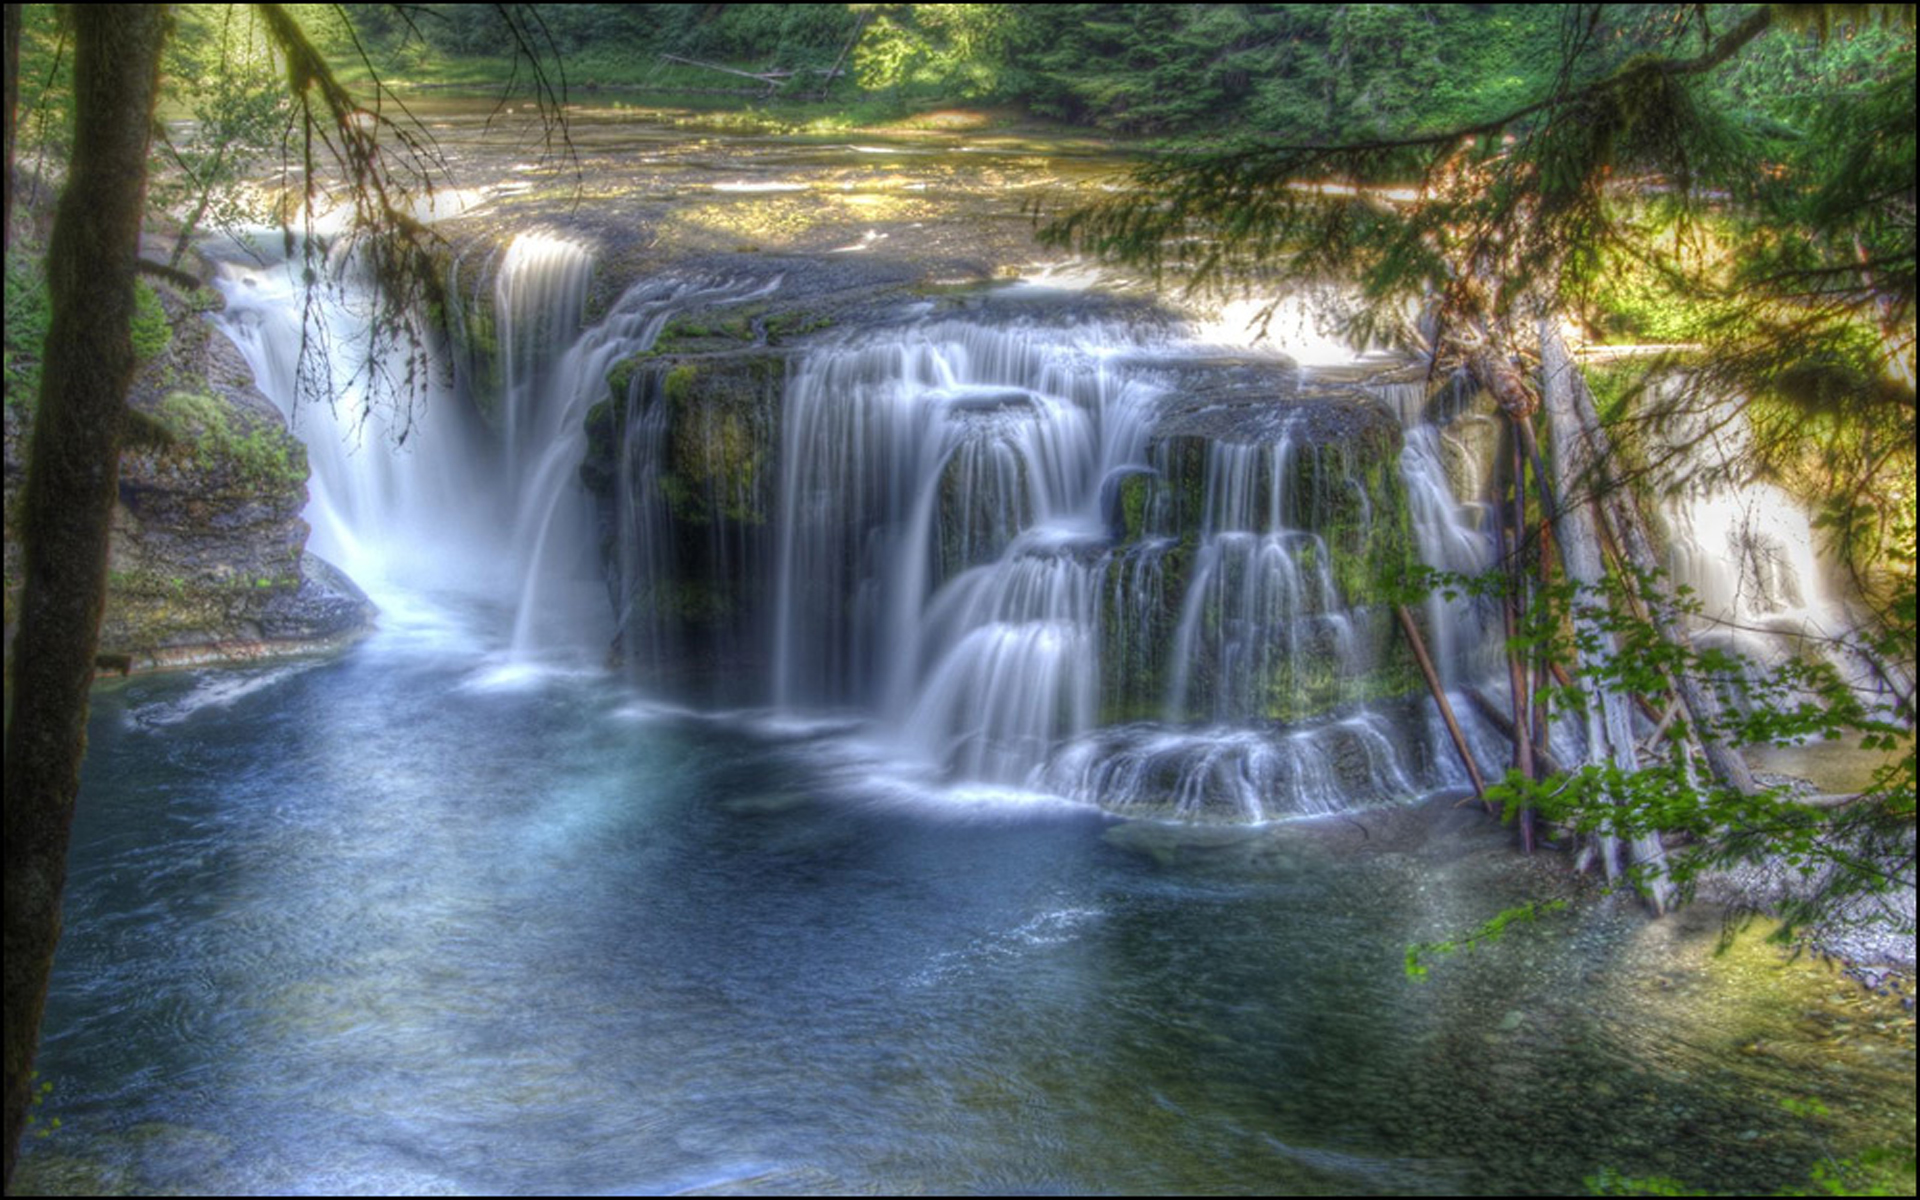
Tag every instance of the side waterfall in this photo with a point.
(422, 490)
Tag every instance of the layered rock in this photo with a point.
(207, 560)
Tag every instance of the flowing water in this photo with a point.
(464, 910)
(388, 924)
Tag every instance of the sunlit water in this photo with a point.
(411, 921)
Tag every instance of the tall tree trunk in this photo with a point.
(72, 478)
(1609, 713)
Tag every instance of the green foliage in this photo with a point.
(1846, 852)
(27, 317)
(223, 73)
(1628, 174)
(262, 454)
(1492, 930)
(936, 51)
(1291, 70)
(595, 45)
(44, 127)
(152, 331)
(1860, 849)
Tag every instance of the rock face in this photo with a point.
(207, 561)
(683, 457)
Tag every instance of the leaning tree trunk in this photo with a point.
(1609, 713)
(1636, 547)
(72, 478)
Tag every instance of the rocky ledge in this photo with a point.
(207, 562)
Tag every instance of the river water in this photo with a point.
(397, 923)
(443, 915)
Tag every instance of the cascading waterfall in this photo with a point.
(1746, 550)
(498, 514)
(1262, 610)
(980, 543)
(393, 470)
(1450, 522)
(925, 459)
(982, 539)
(564, 589)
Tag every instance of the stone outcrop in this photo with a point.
(207, 561)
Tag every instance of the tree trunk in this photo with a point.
(13, 108)
(1439, 691)
(1609, 714)
(1630, 534)
(1510, 611)
(72, 478)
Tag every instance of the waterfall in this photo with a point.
(415, 492)
(1746, 551)
(992, 544)
(1262, 613)
(1085, 557)
(563, 588)
(396, 464)
(939, 456)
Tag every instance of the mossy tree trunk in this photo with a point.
(13, 15)
(72, 478)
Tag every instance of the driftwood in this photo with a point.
(1623, 518)
(859, 28)
(773, 77)
(1510, 612)
(173, 275)
(1609, 716)
(1496, 716)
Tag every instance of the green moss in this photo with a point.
(787, 325)
(678, 384)
(146, 583)
(620, 376)
(152, 332)
(203, 425)
(470, 323)
(1141, 598)
(1136, 493)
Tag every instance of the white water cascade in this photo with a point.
(412, 493)
(980, 546)
(402, 493)
(985, 543)
(1747, 551)
(941, 544)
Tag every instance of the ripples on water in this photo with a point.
(406, 923)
